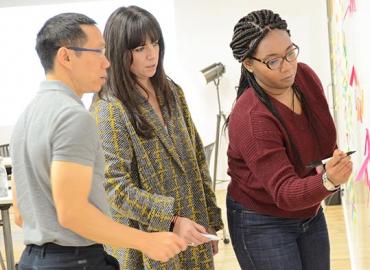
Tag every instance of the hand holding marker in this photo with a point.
(316, 163)
(212, 237)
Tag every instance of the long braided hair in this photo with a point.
(248, 33)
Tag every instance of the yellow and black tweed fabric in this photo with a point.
(150, 180)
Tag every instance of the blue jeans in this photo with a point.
(264, 242)
(54, 257)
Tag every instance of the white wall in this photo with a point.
(197, 34)
(204, 30)
(21, 70)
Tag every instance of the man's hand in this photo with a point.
(162, 246)
(17, 215)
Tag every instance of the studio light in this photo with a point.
(213, 72)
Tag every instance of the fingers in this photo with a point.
(198, 234)
(200, 228)
(173, 247)
(339, 160)
(167, 255)
(339, 153)
(181, 244)
(162, 246)
(214, 247)
(347, 170)
(342, 164)
(190, 231)
(337, 157)
(339, 168)
(197, 238)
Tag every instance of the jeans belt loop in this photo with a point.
(77, 251)
(43, 250)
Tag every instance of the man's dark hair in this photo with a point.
(61, 30)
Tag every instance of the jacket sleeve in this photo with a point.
(214, 212)
(122, 181)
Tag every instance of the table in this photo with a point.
(5, 204)
(8, 164)
(7, 161)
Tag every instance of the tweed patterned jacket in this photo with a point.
(148, 181)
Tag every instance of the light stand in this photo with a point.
(214, 73)
(218, 126)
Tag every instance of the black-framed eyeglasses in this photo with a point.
(277, 62)
(81, 49)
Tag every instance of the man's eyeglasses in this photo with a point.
(276, 63)
(80, 49)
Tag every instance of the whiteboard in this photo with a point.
(350, 58)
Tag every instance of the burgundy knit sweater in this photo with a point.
(266, 176)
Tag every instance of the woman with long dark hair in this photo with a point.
(156, 172)
(280, 123)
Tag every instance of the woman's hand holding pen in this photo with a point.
(190, 231)
(339, 168)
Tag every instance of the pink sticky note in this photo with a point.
(353, 77)
(363, 169)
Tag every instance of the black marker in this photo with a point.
(314, 164)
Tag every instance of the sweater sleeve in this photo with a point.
(261, 144)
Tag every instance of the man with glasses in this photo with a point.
(58, 164)
(279, 124)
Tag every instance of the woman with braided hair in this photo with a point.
(279, 124)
